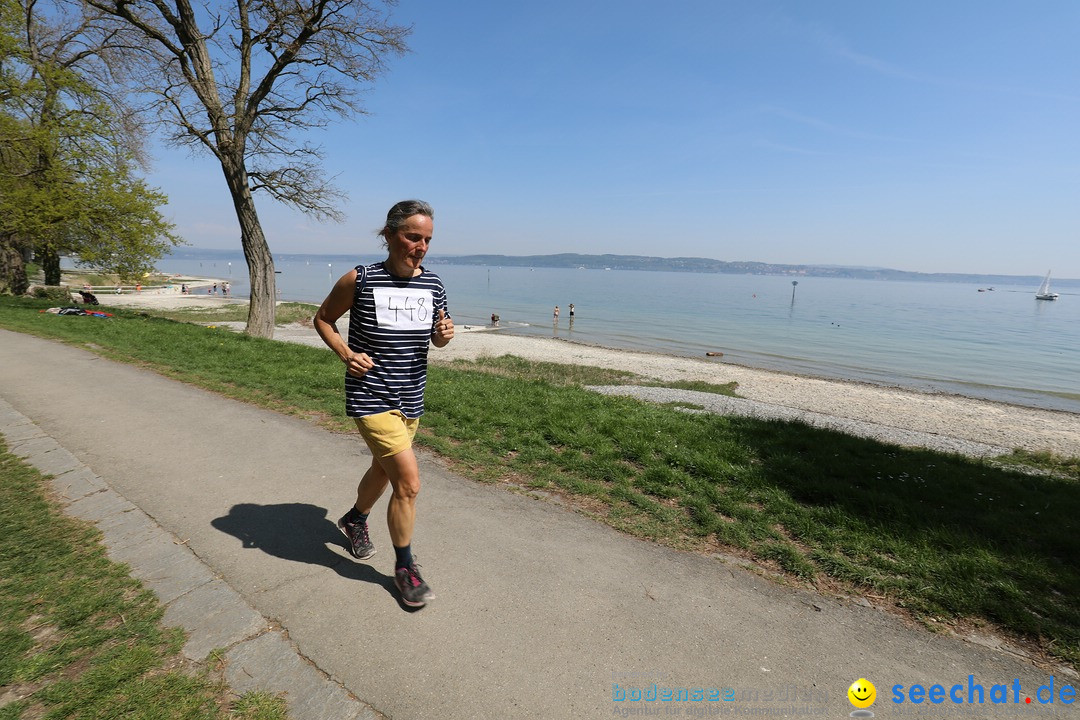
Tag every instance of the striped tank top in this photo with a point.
(392, 320)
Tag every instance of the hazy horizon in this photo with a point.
(378, 252)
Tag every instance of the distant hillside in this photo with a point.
(708, 265)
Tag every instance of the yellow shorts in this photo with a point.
(387, 433)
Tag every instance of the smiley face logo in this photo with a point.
(862, 693)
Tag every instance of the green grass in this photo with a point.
(727, 389)
(79, 638)
(508, 366)
(515, 368)
(944, 537)
(1045, 461)
(287, 312)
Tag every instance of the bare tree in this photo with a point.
(244, 80)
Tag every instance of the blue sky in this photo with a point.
(927, 136)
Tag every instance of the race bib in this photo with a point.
(402, 308)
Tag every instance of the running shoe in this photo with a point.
(359, 542)
(414, 591)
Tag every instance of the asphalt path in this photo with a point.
(541, 612)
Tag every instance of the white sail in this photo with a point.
(1044, 290)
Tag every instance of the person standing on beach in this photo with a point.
(555, 318)
(396, 308)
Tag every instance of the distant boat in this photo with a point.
(1044, 290)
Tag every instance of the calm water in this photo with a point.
(1002, 345)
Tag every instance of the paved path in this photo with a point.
(227, 512)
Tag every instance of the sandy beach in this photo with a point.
(996, 425)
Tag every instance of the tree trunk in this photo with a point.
(13, 278)
(263, 304)
(50, 264)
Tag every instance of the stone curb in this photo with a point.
(214, 616)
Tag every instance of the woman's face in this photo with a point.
(409, 244)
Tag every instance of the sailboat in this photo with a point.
(1044, 290)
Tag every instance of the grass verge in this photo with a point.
(79, 638)
(1045, 461)
(515, 368)
(952, 541)
(287, 312)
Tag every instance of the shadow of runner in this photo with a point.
(298, 532)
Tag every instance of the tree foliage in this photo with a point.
(69, 147)
(246, 81)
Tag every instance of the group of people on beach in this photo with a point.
(120, 288)
(210, 289)
(555, 315)
(554, 319)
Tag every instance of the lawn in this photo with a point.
(79, 638)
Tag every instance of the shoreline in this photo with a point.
(936, 413)
(928, 373)
(928, 389)
(1013, 395)
(941, 414)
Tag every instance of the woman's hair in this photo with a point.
(402, 211)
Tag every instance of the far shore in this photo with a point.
(954, 416)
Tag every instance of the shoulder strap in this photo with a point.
(361, 271)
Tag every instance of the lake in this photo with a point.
(999, 344)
